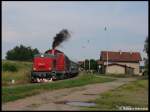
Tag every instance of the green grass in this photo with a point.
(121, 75)
(21, 91)
(21, 75)
(134, 94)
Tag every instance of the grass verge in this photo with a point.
(21, 75)
(20, 91)
(134, 95)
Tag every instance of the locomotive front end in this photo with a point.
(43, 68)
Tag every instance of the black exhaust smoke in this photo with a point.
(63, 35)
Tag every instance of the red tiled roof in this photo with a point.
(120, 56)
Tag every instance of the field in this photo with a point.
(17, 71)
(132, 95)
(23, 88)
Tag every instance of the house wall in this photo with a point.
(135, 65)
(114, 69)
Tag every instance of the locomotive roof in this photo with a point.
(55, 50)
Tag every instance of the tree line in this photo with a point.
(21, 53)
(89, 64)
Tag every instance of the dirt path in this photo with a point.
(54, 100)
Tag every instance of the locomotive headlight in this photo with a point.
(34, 68)
(49, 68)
(42, 55)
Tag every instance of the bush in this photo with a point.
(9, 67)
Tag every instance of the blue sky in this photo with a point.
(36, 23)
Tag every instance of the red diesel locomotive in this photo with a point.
(52, 65)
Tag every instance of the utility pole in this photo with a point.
(105, 29)
(84, 64)
(107, 61)
(89, 65)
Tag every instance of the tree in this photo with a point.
(146, 46)
(21, 53)
(86, 64)
(93, 64)
(146, 59)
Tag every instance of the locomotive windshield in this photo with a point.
(44, 55)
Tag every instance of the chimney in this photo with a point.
(120, 52)
(130, 52)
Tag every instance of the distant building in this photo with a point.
(80, 62)
(120, 62)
